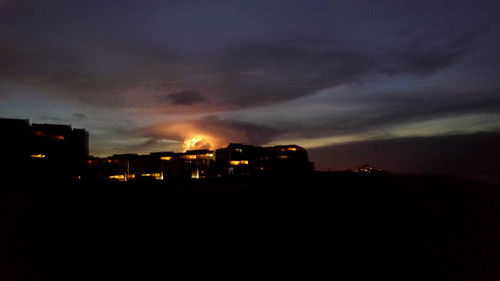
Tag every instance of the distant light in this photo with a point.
(166, 158)
(37, 155)
(59, 137)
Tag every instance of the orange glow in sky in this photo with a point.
(197, 142)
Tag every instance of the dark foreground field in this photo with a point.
(327, 225)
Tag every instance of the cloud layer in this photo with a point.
(144, 75)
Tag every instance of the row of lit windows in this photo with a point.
(189, 156)
(238, 162)
(210, 155)
(122, 177)
(40, 156)
(198, 156)
(56, 137)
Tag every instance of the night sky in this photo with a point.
(411, 86)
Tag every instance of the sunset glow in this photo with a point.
(204, 74)
(197, 142)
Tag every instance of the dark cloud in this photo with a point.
(425, 58)
(241, 76)
(128, 72)
(288, 71)
(185, 98)
(243, 131)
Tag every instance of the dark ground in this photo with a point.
(329, 225)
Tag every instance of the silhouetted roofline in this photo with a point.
(15, 120)
(160, 153)
(198, 151)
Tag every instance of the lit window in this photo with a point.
(244, 162)
(283, 156)
(157, 176)
(209, 155)
(109, 160)
(189, 156)
(117, 177)
(239, 150)
(234, 162)
(195, 174)
(292, 149)
(166, 158)
(59, 137)
(38, 155)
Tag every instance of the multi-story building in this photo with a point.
(59, 151)
(240, 160)
(42, 150)
(194, 164)
(234, 160)
(126, 167)
(158, 165)
(288, 159)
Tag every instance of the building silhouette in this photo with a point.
(48, 151)
(35, 151)
(242, 160)
(236, 160)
